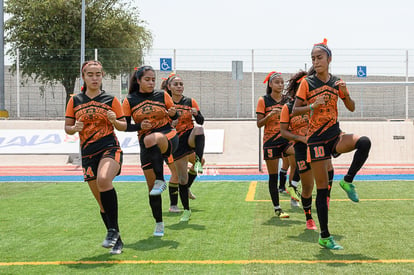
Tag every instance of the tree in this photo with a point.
(48, 36)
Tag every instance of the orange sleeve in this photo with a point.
(117, 108)
(69, 109)
(126, 108)
(285, 116)
(303, 90)
(261, 108)
(194, 104)
(168, 101)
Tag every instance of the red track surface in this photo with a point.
(68, 170)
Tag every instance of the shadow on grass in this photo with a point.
(185, 225)
(152, 243)
(309, 236)
(276, 221)
(98, 259)
(332, 255)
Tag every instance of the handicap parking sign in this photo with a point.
(166, 64)
(361, 71)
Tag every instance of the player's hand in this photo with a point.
(111, 116)
(342, 87)
(318, 102)
(275, 111)
(194, 111)
(78, 126)
(146, 124)
(172, 111)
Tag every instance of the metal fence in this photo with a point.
(385, 92)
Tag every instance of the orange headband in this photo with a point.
(271, 75)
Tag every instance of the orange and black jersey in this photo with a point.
(323, 123)
(98, 131)
(298, 125)
(152, 106)
(185, 117)
(272, 127)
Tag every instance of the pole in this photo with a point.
(406, 87)
(82, 49)
(3, 112)
(18, 81)
(253, 115)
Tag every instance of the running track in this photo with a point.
(70, 173)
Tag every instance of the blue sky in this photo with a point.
(264, 24)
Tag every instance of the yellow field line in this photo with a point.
(345, 200)
(211, 262)
(252, 191)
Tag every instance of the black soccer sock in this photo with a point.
(156, 207)
(191, 177)
(157, 161)
(296, 176)
(307, 207)
(104, 219)
(330, 178)
(363, 145)
(274, 194)
(322, 209)
(184, 196)
(199, 146)
(282, 178)
(173, 191)
(110, 205)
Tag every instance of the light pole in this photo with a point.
(3, 112)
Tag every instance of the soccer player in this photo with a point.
(318, 94)
(94, 114)
(191, 138)
(268, 111)
(151, 111)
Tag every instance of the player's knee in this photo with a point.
(363, 143)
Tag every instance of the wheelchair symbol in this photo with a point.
(166, 65)
(362, 71)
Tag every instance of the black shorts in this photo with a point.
(301, 157)
(323, 149)
(172, 146)
(90, 163)
(275, 149)
(184, 148)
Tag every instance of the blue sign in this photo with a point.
(166, 64)
(361, 71)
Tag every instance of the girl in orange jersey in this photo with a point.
(294, 128)
(268, 111)
(191, 138)
(319, 93)
(151, 111)
(94, 114)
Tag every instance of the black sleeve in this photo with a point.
(132, 127)
(199, 118)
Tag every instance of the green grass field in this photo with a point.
(55, 228)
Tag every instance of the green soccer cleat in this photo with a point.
(186, 216)
(349, 188)
(329, 243)
(198, 167)
(293, 192)
(279, 212)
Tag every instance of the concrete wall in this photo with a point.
(392, 142)
(218, 95)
